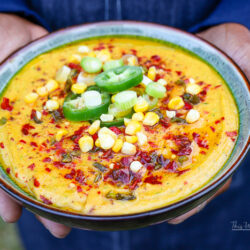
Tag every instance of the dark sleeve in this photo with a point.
(21, 8)
(227, 11)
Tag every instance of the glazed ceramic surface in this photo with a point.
(235, 79)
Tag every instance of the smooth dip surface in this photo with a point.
(182, 151)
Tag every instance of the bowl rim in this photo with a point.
(25, 199)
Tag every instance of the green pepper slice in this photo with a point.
(119, 79)
(76, 113)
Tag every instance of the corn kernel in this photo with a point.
(128, 148)
(42, 91)
(105, 130)
(131, 138)
(83, 49)
(31, 98)
(104, 55)
(97, 143)
(193, 88)
(60, 134)
(152, 73)
(118, 145)
(51, 85)
(151, 118)
(107, 117)
(170, 114)
(141, 105)
(139, 116)
(142, 138)
(135, 166)
(62, 74)
(52, 105)
(113, 98)
(133, 127)
(86, 143)
(132, 60)
(126, 121)
(75, 58)
(192, 116)
(92, 54)
(106, 141)
(94, 127)
(78, 88)
(176, 103)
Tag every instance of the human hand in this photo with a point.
(234, 40)
(15, 33)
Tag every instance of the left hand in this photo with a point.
(234, 40)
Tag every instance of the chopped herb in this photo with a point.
(75, 153)
(194, 99)
(158, 166)
(119, 196)
(157, 111)
(57, 116)
(94, 150)
(66, 158)
(69, 81)
(99, 166)
(98, 177)
(180, 82)
(178, 120)
(183, 158)
(3, 120)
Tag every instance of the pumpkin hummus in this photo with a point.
(115, 126)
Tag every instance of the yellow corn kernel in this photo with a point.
(139, 116)
(132, 60)
(83, 49)
(128, 148)
(193, 88)
(133, 127)
(126, 121)
(131, 138)
(78, 88)
(94, 127)
(152, 73)
(75, 58)
(52, 105)
(92, 54)
(86, 143)
(106, 141)
(118, 145)
(51, 85)
(151, 118)
(113, 98)
(42, 91)
(31, 98)
(141, 105)
(192, 116)
(104, 55)
(98, 143)
(108, 131)
(60, 134)
(176, 103)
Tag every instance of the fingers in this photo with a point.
(58, 230)
(10, 211)
(197, 209)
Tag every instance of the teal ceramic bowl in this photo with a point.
(231, 73)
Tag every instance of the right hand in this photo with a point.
(15, 33)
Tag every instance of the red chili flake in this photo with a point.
(36, 183)
(171, 166)
(32, 166)
(153, 179)
(174, 151)
(75, 66)
(1, 145)
(156, 58)
(89, 158)
(217, 86)
(6, 104)
(58, 164)
(185, 182)
(22, 141)
(120, 175)
(180, 172)
(232, 134)
(108, 154)
(33, 144)
(178, 73)
(212, 128)
(8, 170)
(203, 152)
(219, 120)
(47, 159)
(48, 170)
(126, 161)
(200, 83)
(99, 192)
(149, 129)
(33, 114)
(152, 144)
(95, 136)
(115, 130)
(134, 52)
(45, 200)
(80, 176)
(79, 189)
(71, 175)
(45, 112)
(26, 128)
(188, 106)
(201, 143)
(100, 47)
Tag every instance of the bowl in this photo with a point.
(226, 67)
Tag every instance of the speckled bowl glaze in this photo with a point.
(232, 74)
